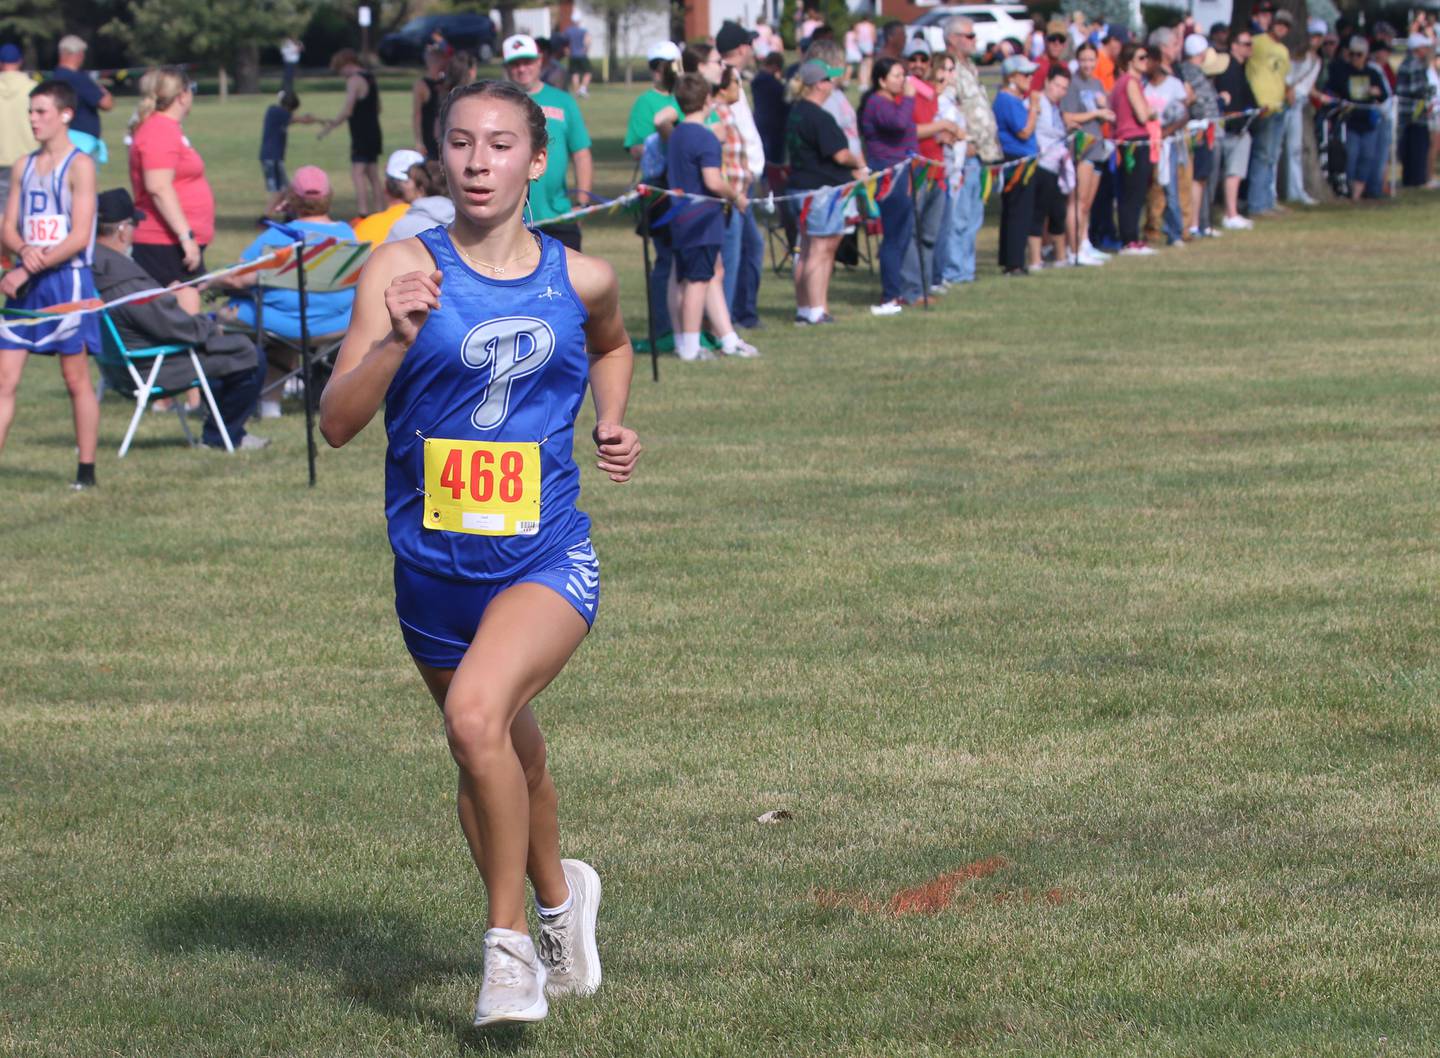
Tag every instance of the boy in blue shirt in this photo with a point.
(697, 228)
(273, 136)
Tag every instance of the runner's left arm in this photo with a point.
(612, 360)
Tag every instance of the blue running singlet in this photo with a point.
(502, 362)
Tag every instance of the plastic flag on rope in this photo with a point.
(987, 181)
(1015, 179)
(1029, 170)
(1081, 141)
(805, 211)
(1129, 151)
(886, 181)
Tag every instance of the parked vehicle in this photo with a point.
(993, 23)
(467, 31)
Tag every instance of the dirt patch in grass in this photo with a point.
(928, 898)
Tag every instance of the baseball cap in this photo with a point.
(1016, 64)
(397, 166)
(310, 181)
(1360, 44)
(1317, 27)
(664, 51)
(1116, 32)
(10, 53)
(1195, 44)
(813, 73)
(111, 207)
(1284, 18)
(918, 46)
(519, 47)
(1414, 42)
(1214, 63)
(732, 36)
(1265, 7)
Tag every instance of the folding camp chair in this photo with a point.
(781, 235)
(330, 267)
(120, 370)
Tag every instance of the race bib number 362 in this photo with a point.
(487, 488)
(48, 229)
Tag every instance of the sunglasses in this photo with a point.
(967, 36)
(1244, 43)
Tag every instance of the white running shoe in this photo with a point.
(567, 942)
(1091, 260)
(887, 308)
(1088, 247)
(513, 988)
(1237, 223)
(742, 349)
(1137, 249)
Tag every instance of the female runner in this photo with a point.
(474, 338)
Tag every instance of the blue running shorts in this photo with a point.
(439, 616)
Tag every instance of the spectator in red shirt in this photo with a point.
(918, 273)
(168, 178)
(1055, 44)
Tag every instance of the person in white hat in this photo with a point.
(664, 59)
(569, 141)
(400, 191)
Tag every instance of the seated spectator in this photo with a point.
(400, 191)
(431, 208)
(232, 367)
(327, 312)
(1017, 111)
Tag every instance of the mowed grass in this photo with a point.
(1124, 576)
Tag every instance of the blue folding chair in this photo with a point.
(120, 370)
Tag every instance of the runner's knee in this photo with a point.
(478, 731)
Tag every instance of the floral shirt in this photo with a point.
(975, 105)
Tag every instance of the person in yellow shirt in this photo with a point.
(1266, 70)
(400, 191)
(16, 139)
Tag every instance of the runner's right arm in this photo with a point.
(397, 290)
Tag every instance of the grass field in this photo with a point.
(1091, 618)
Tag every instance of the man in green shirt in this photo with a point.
(569, 141)
(664, 58)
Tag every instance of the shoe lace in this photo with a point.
(502, 967)
(556, 946)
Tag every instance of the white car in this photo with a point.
(993, 23)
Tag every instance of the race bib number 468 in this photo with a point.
(484, 487)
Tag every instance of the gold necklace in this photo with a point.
(498, 269)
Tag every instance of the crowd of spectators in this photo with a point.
(1097, 142)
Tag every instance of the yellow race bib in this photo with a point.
(489, 488)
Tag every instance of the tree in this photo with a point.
(225, 31)
(35, 23)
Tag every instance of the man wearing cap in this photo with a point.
(232, 367)
(90, 98)
(569, 140)
(736, 47)
(1414, 93)
(933, 134)
(1056, 40)
(1354, 79)
(965, 210)
(400, 191)
(1301, 155)
(1266, 69)
(16, 139)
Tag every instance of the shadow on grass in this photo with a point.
(377, 958)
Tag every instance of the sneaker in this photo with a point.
(939, 290)
(81, 486)
(513, 988)
(269, 409)
(1305, 199)
(1091, 259)
(805, 321)
(1066, 262)
(1137, 249)
(893, 307)
(1237, 223)
(567, 942)
(1175, 244)
(743, 349)
(1087, 247)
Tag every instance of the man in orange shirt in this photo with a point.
(1103, 234)
(1111, 41)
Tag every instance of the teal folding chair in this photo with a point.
(120, 370)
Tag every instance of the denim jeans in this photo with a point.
(959, 224)
(1295, 154)
(743, 294)
(1265, 136)
(918, 272)
(1375, 180)
(659, 288)
(730, 253)
(235, 395)
(1362, 154)
(1172, 221)
(897, 218)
